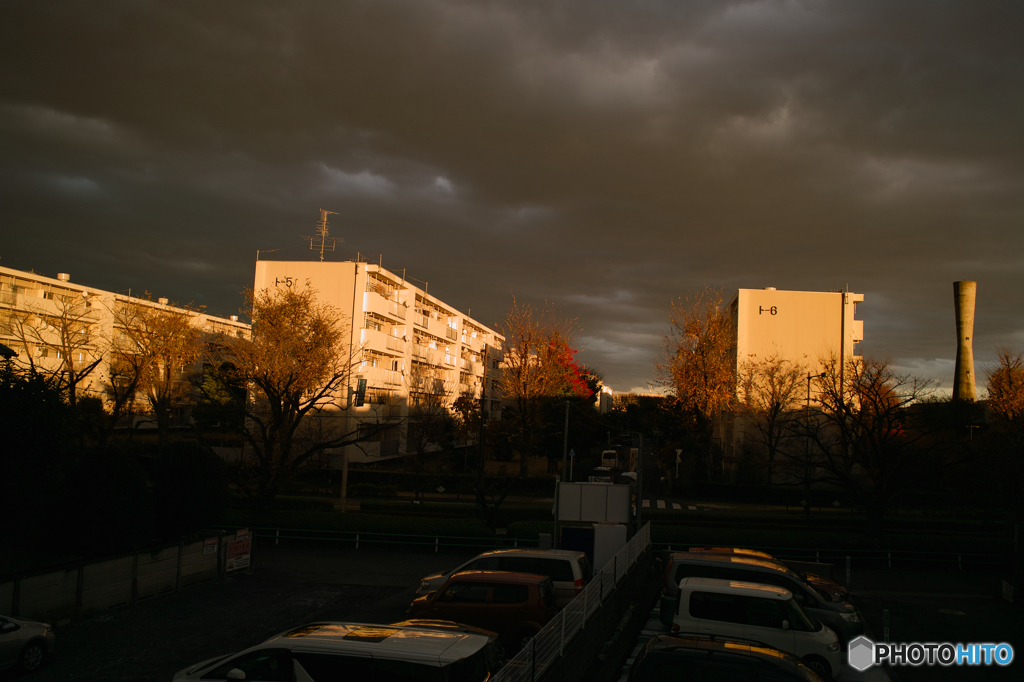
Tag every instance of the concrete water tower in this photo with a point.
(964, 294)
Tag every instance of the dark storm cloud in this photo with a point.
(605, 156)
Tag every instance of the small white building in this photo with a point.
(407, 346)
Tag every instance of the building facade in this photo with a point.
(408, 350)
(63, 328)
(814, 330)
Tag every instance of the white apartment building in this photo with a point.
(803, 327)
(407, 346)
(52, 322)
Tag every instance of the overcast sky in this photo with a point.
(603, 156)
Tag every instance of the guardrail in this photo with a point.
(548, 645)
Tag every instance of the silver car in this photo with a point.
(24, 643)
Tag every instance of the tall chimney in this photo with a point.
(964, 294)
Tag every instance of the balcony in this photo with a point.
(451, 333)
(396, 344)
(391, 378)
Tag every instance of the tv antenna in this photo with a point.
(321, 232)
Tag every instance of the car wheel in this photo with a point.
(32, 656)
(820, 667)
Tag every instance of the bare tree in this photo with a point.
(769, 398)
(698, 365)
(297, 367)
(532, 370)
(866, 438)
(431, 398)
(66, 330)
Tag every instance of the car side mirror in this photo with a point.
(785, 625)
(236, 674)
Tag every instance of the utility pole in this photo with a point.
(561, 477)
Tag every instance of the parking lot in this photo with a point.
(297, 584)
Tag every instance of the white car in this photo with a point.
(760, 613)
(358, 651)
(24, 643)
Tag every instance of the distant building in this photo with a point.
(36, 311)
(409, 347)
(805, 327)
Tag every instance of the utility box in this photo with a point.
(609, 538)
(594, 502)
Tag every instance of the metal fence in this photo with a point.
(550, 643)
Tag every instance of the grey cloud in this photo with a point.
(606, 156)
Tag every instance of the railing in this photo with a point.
(391, 377)
(451, 333)
(396, 344)
(550, 643)
(421, 320)
(397, 309)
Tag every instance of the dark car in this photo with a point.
(513, 605)
(698, 658)
(841, 616)
(833, 590)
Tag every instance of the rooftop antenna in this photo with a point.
(321, 231)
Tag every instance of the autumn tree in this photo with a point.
(866, 437)
(538, 364)
(1006, 388)
(698, 365)
(298, 368)
(768, 394)
(154, 350)
(65, 331)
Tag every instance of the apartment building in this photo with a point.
(60, 326)
(409, 349)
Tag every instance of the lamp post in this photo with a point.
(807, 444)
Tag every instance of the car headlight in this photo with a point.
(424, 586)
(851, 617)
(833, 647)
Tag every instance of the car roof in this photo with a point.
(720, 558)
(551, 553)
(668, 643)
(733, 550)
(407, 642)
(736, 587)
(501, 577)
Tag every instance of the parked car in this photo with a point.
(24, 643)
(709, 658)
(841, 616)
(513, 605)
(761, 613)
(330, 651)
(494, 652)
(831, 588)
(569, 570)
